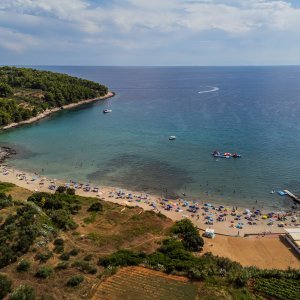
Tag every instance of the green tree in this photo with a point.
(5, 90)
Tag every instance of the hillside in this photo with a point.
(25, 92)
(63, 246)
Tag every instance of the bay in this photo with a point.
(254, 111)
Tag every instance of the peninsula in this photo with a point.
(27, 95)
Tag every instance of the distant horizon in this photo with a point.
(148, 66)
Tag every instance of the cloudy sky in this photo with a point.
(149, 32)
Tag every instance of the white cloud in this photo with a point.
(141, 24)
(229, 16)
(16, 41)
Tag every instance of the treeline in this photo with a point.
(25, 92)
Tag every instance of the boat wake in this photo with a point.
(212, 89)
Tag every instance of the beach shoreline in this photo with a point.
(173, 209)
(49, 112)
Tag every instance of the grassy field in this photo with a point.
(118, 227)
(98, 233)
(16, 192)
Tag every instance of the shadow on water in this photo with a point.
(142, 174)
(22, 152)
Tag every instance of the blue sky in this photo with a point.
(149, 32)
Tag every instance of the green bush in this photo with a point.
(85, 267)
(59, 242)
(23, 292)
(70, 191)
(5, 201)
(62, 266)
(97, 206)
(43, 256)
(59, 249)
(65, 256)
(74, 251)
(5, 286)
(88, 257)
(23, 266)
(122, 258)
(61, 189)
(44, 272)
(75, 280)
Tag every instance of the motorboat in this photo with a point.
(172, 137)
(106, 111)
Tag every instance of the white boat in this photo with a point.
(172, 137)
(105, 111)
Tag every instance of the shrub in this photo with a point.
(5, 201)
(97, 206)
(75, 280)
(65, 256)
(43, 257)
(74, 251)
(62, 266)
(59, 242)
(122, 258)
(59, 249)
(88, 257)
(44, 272)
(5, 286)
(61, 189)
(62, 219)
(70, 191)
(23, 266)
(85, 267)
(23, 292)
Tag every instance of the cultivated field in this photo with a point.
(140, 283)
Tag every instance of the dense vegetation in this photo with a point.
(17, 233)
(59, 207)
(26, 92)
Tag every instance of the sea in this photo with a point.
(254, 111)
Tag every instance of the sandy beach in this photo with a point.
(48, 112)
(231, 221)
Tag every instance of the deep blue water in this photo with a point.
(255, 111)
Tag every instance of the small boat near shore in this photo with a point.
(219, 154)
(106, 111)
(172, 137)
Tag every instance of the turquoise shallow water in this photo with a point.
(252, 110)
